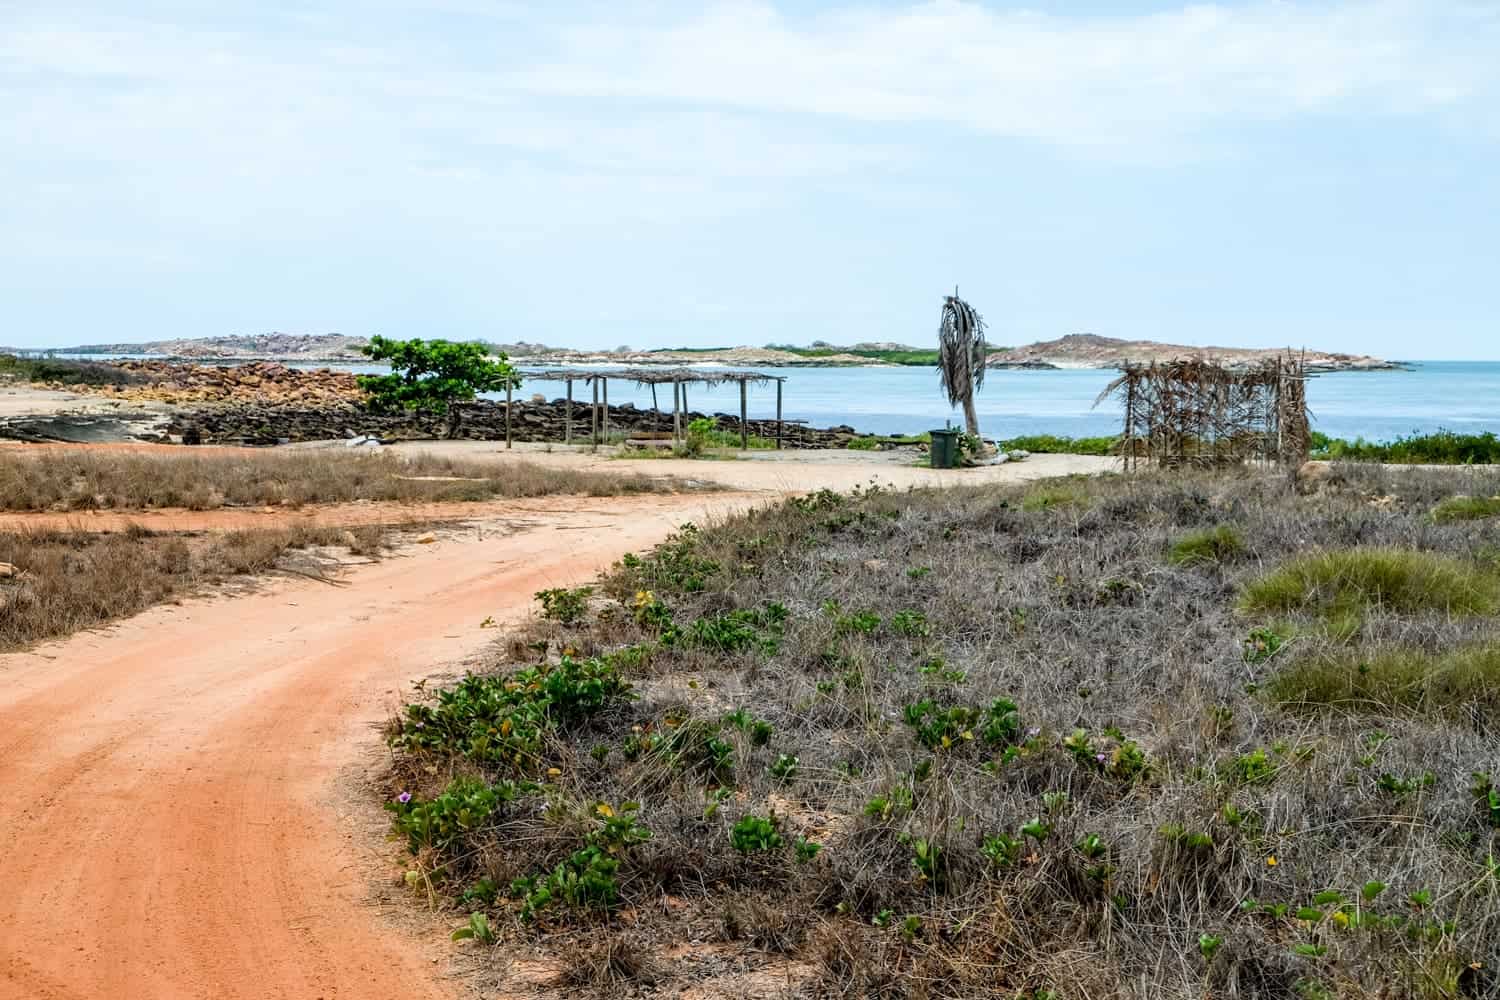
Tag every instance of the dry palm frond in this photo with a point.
(961, 355)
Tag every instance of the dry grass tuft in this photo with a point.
(78, 479)
(1466, 509)
(71, 580)
(1462, 683)
(1219, 544)
(1400, 580)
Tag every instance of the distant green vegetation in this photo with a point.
(66, 372)
(1440, 448)
(1044, 444)
(909, 357)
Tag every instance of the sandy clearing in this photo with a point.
(170, 826)
(773, 471)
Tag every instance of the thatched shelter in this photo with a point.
(678, 378)
(1195, 412)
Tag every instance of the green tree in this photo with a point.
(431, 375)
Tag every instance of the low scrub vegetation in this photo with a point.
(1440, 448)
(83, 479)
(13, 368)
(58, 582)
(1064, 741)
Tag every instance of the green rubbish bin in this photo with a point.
(944, 451)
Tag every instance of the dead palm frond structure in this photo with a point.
(1194, 412)
(961, 356)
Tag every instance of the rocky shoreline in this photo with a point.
(544, 421)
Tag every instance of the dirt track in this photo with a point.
(172, 827)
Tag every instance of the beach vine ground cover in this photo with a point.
(1006, 742)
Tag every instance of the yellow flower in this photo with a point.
(553, 772)
(604, 810)
(1272, 861)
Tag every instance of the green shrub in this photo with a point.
(1349, 580)
(1219, 544)
(1043, 444)
(734, 631)
(704, 433)
(565, 605)
(674, 566)
(939, 727)
(1439, 448)
(1466, 509)
(863, 444)
(503, 719)
(464, 807)
(1394, 682)
(755, 833)
(586, 880)
(1262, 644)
(912, 624)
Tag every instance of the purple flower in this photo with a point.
(404, 798)
(1099, 757)
(1033, 732)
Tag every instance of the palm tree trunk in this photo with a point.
(971, 417)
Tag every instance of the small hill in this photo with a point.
(263, 346)
(1087, 350)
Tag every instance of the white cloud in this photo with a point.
(1075, 80)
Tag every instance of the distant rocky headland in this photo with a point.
(1087, 350)
(1083, 350)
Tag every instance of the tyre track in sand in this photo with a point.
(172, 825)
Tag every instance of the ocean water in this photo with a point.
(1460, 396)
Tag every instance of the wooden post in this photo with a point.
(508, 388)
(594, 414)
(568, 416)
(744, 427)
(605, 381)
(655, 411)
(778, 414)
(676, 412)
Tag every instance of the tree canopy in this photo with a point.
(430, 374)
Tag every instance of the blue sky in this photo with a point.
(662, 173)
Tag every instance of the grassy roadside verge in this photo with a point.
(1107, 737)
(80, 479)
(59, 582)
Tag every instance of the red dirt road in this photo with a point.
(171, 825)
